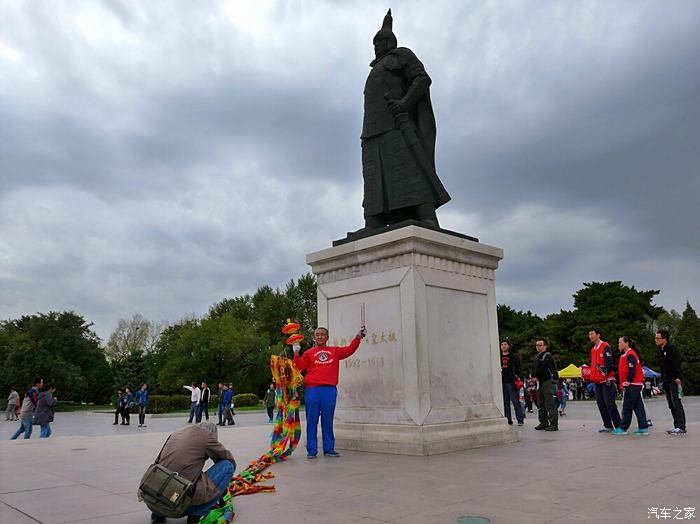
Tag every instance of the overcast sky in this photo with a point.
(159, 156)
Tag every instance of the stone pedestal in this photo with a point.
(426, 379)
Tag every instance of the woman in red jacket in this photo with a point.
(631, 378)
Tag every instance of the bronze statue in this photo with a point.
(398, 138)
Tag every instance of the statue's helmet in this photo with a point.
(385, 32)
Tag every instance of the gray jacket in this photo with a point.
(44, 408)
(28, 404)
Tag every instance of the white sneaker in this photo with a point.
(670, 430)
(677, 431)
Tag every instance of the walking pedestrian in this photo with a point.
(270, 402)
(562, 396)
(631, 378)
(221, 404)
(11, 411)
(44, 413)
(531, 396)
(142, 401)
(228, 398)
(119, 412)
(26, 416)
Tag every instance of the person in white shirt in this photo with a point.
(194, 400)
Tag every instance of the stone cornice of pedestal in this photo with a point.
(411, 245)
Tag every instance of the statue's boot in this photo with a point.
(374, 222)
(426, 213)
(371, 222)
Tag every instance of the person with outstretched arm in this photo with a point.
(322, 365)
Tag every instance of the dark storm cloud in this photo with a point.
(158, 158)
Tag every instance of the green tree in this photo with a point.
(222, 349)
(240, 307)
(234, 341)
(59, 346)
(617, 309)
(131, 371)
(272, 308)
(558, 328)
(521, 329)
(302, 300)
(129, 335)
(687, 340)
(668, 320)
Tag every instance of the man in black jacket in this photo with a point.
(544, 371)
(671, 379)
(204, 403)
(511, 369)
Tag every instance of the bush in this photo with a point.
(172, 403)
(168, 403)
(246, 399)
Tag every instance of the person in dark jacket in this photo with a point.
(43, 416)
(142, 401)
(545, 373)
(120, 407)
(220, 409)
(671, 379)
(227, 398)
(186, 452)
(511, 370)
(270, 400)
(128, 400)
(204, 403)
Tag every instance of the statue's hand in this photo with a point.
(396, 107)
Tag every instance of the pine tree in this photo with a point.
(688, 343)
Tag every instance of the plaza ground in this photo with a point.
(88, 471)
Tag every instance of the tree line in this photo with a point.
(618, 310)
(232, 343)
(234, 340)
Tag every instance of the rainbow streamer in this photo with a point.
(283, 441)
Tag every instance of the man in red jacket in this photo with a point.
(603, 376)
(322, 364)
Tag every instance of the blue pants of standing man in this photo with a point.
(320, 401)
(605, 398)
(193, 411)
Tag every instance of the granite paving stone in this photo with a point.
(88, 471)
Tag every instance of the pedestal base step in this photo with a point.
(425, 440)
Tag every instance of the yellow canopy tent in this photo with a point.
(570, 371)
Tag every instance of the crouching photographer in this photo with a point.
(175, 484)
